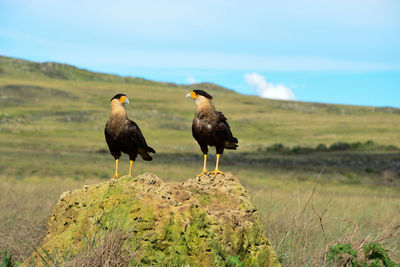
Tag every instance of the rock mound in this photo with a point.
(203, 221)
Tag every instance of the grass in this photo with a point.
(25, 207)
(313, 220)
(51, 140)
(108, 251)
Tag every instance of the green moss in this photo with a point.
(204, 198)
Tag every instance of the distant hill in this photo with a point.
(50, 110)
(13, 67)
(29, 69)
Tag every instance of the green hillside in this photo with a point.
(57, 111)
(52, 118)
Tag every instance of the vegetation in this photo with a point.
(374, 256)
(338, 146)
(52, 119)
(6, 260)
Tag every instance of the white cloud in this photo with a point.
(191, 80)
(268, 90)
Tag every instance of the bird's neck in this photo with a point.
(203, 105)
(118, 111)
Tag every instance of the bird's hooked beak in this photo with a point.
(126, 101)
(191, 95)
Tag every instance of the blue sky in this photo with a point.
(324, 51)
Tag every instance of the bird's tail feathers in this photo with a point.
(231, 144)
(151, 150)
(145, 153)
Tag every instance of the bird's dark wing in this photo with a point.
(136, 136)
(223, 130)
(220, 116)
(108, 138)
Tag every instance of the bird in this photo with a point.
(124, 135)
(210, 128)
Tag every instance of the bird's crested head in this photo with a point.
(121, 98)
(196, 93)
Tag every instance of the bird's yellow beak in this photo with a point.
(191, 95)
(124, 100)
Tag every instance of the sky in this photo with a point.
(339, 51)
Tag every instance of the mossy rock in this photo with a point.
(203, 221)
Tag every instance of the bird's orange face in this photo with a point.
(192, 95)
(123, 100)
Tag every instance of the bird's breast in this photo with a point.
(115, 127)
(204, 126)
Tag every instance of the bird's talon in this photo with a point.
(216, 172)
(116, 176)
(206, 172)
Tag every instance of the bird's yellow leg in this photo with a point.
(205, 171)
(216, 171)
(130, 168)
(116, 175)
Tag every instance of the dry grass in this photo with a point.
(108, 251)
(25, 208)
(23, 222)
(304, 221)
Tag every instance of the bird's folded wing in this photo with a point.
(135, 135)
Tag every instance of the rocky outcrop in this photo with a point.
(203, 221)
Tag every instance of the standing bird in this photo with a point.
(210, 128)
(124, 135)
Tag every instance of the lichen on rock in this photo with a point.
(203, 221)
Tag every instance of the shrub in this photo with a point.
(301, 150)
(321, 147)
(392, 147)
(374, 256)
(339, 146)
(276, 147)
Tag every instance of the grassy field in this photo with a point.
(52, 119)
